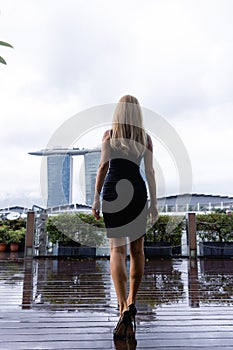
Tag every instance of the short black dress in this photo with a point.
(124, 197)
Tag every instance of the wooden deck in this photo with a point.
(71, 304)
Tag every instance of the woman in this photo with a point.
(124, 204)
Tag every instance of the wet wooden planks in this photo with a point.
(210, 328)
(78, 309)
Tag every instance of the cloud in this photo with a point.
(207, 136)
(175, 56)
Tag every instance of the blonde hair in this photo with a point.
(128, 132)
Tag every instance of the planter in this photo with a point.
(3, 247)
(216, 249)
(14, 247)
(176, 251)
(82, 251)
(157, 249)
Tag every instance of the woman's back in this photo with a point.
(124, 194)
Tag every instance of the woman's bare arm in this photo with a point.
(101, 173)
(150, 177)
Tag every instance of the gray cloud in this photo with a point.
(175, 56)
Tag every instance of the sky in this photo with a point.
(175, 56)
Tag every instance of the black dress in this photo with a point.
(124, 203)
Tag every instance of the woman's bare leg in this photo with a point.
(118, 270)
(137, 263)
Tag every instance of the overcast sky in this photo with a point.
(70, 55)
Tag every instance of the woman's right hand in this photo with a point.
(96, 213)
(153, 213)
(96, 209)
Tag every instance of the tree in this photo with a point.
(215, 227)
(3, 43)
(166, 229)
(76, 227)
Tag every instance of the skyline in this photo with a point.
(175, 56)
(58, 174)
(181, 203)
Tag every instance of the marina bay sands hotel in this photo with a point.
(60, 173)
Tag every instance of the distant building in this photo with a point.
(18, 211)
(194, 202)
(91, 166)
(59, 175)
(69, 208)
(60, 179)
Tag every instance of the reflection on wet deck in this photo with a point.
(71, 304)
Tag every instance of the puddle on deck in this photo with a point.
(73, 285)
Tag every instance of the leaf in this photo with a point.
(2, 60)
(3, 43)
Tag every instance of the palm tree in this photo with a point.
(3, 43)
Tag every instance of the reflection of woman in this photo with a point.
(124, 203)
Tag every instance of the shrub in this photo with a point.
(4, 233)
(16, 236)
(215, 227)
(166, 229)
(75, 227)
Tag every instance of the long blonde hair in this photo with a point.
(128, 132)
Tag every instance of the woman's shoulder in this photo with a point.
(149, 142)
(106, 135)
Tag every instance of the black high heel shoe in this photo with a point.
(133, 311)
(125, 344)
(124, 327)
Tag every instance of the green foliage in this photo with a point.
(12, 231)
(90, 219)
(3, 43)
(15, 224)
(215, 227)
(76, 227)
(16, 236)
(166, 229)
(4, 233)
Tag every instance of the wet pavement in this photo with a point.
(71, 304)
